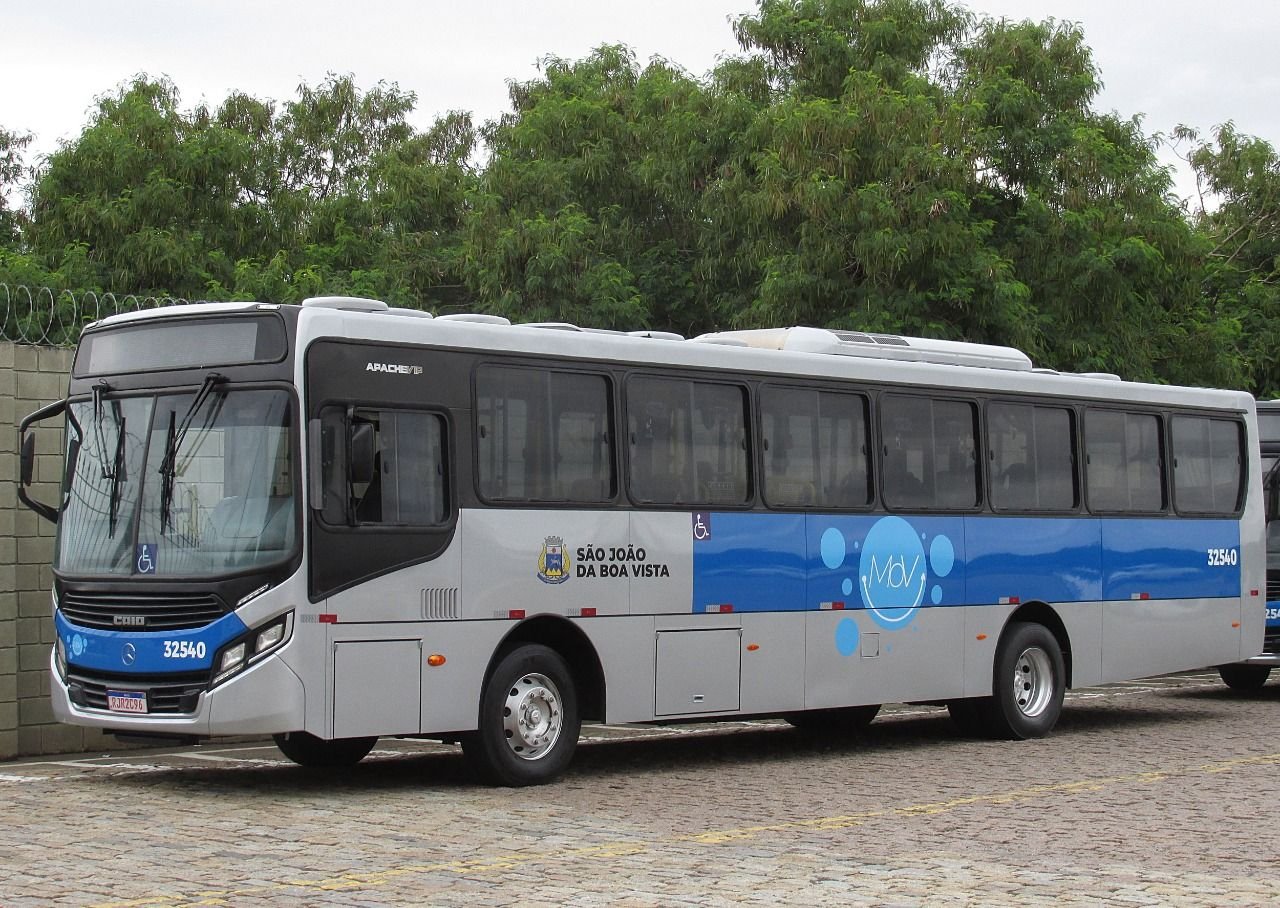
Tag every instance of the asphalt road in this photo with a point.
(1161, 792)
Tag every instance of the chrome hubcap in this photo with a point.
(1032, 681)
(532, 717)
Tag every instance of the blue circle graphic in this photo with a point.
(893, 572)
(833, 548)
(935, 594)
(77, 645)
(847, 586)
(847, 637)
(942, 555)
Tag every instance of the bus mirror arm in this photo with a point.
(27, 459)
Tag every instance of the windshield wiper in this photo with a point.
(173, 441)
(115, 470)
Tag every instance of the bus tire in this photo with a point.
(1028, 684)
(1244, 677)
(308, 750)
(849, 720)
(528, 721)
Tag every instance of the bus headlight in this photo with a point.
(231, 662)
(249, 648)
(269, 638)
(60, 658)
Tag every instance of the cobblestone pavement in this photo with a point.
(1161, 792)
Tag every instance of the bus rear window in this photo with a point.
(182, 344)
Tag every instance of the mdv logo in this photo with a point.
(893, 572)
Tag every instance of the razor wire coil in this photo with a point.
(44, 316)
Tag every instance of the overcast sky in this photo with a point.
(1177, 61)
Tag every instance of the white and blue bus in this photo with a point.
(1252, 673)
(341, 520)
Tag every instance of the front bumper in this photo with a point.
(265, 699)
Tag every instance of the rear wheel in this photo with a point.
(529, 721)
(308, 750)
(1244, 677)
(1028, 685)
(846, 721)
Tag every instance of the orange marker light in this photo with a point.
(435, 660)
(1235, 623)
(752, 647)
(982, 636)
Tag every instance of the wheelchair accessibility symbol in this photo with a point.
(146, 559)
(701, 526)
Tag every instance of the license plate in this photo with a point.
(126, 701)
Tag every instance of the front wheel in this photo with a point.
(308, 750)
(1244, 677)
(528, 722)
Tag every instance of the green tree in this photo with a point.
(13, 146)
(584, 211)
(331, 192)
(1238, 217)
(1082, 210)
(846, 195)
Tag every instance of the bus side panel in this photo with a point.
(1156, 636)
(662, 583)
(554, 562)
(851, 659)
(626, 650)
(749, 562)
(1172, 595)
(1046, 559)
(772, 675)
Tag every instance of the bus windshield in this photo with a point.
(178, 485)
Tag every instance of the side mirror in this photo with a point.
(27, 460)
(361, 464)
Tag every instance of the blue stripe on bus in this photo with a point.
(893, 565)
(151, 652)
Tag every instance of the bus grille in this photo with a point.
(1273, 588)
(141, 610)
(166, 694)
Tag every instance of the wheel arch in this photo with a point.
(1040, 612)
(569, 641)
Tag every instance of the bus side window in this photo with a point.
(1032, 454)
(1124, 461)
(1207, 464)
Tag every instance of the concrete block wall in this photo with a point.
(30, 377)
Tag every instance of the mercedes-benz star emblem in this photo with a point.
(128, 654)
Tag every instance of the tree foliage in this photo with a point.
(332, 191)
(1240, 277)
(12, 167)
(893, 165)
